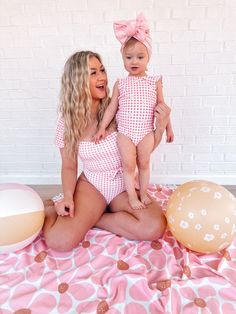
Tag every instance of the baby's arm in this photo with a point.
(160, 96)
(162, 114)
(160, 99)
(109, 114)
(111, 109)
(169, 132)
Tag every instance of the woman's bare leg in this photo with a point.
(128, 154)
(144, 150)
(65, 233)
(146, 224)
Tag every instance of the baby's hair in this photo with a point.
(76, 99)
(130, 43)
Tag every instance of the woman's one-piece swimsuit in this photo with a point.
(101, 163)
(137, 101)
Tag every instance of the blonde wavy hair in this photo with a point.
(76, 99)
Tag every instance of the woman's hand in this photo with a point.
(65, 207)
(162, 114)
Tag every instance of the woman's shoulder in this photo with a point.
(60, 129)
(60, 120)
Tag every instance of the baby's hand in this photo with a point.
(169, 135)
(100, 135)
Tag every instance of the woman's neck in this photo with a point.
(91, 128)
(94, 109)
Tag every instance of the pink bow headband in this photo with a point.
(138, 29)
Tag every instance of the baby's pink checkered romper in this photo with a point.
(101, 162)
(137, 101)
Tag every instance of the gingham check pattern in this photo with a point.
(101, 162)
(137, 101)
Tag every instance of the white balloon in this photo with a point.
(21, 216)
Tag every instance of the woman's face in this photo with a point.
(97, 79)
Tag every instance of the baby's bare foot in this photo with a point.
(136, 204)
(145, 199)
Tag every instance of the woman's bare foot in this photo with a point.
(145, 199)
(50, 213)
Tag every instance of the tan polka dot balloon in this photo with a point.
(202, 216)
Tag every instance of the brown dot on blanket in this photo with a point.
(63, 287)
(85, 244)
(156, 245)
(40, 257)
(23, 311)
(227, 256)
(122, 265)
(102, 307)
(163, 284)
(199, 302)
(187, 271)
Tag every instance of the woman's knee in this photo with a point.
(154, 228)
(62, 243)
(158, 228)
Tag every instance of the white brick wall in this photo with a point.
(194, 48)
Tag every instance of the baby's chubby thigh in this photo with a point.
(128, 152)
(145, 148)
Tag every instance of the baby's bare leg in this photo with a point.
(128, 157)
(144, 150)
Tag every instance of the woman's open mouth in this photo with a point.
(101, 87)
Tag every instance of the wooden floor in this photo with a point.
(48, 191)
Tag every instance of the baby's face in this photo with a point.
(135, 58)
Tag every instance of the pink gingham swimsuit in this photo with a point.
(101, 163)
(137, 101)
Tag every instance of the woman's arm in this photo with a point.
(69, 180)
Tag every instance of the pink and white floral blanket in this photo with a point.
(109, 274)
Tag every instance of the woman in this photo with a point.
(84, 98)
